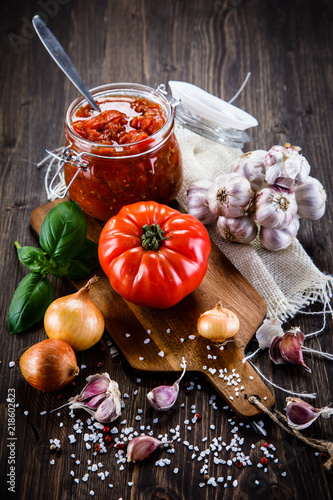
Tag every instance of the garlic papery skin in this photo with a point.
(279, 239)
(163, 397)
(267, 331)
(251, 165)
(237, 230)
(275, 207)
(230, 195)
(218, 324)
(197, 204)
(300, 414)
(311, 199)
(285, 167)
(100, 397)
(141, 447)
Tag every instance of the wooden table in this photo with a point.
(287, 47)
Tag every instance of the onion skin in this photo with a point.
(75, 319)
(49, 365)
(218, 324)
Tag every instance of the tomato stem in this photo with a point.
(152, 237)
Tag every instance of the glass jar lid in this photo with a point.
(208, 115)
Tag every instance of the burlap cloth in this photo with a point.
(288, 280)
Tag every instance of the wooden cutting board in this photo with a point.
(154, 341)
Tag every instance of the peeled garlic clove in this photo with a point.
(267, 331)
(300, 414)
(237, 230)
(311, 199)
(291, 350)
(163, 397)
(251, 166)
(275, 207)
(279, 239)
(141, 447)
(230, 195)
(218, 324)
(274, 351)
(197, 204)
(285, 167)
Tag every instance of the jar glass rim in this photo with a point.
(121, 89)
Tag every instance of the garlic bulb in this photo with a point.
(285, 167)
(278, 239)
(311, 199)
(275, 207)
(197, 204)
(230, 195)
(251, 165)
(218, 324)
(237, 230)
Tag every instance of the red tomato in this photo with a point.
(153, 255)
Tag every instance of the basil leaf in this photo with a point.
(85, 261)
(29, 303)
(63, 231)
(34, 259)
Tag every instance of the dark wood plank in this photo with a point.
(287, 46)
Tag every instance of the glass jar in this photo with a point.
(102, 178)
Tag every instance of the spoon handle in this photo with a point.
(61, 58)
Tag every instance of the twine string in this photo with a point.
(321, 445)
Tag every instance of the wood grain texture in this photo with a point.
(287, 47)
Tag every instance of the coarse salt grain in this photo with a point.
(161, 353)
(11, 364)
(191, 337)
(182, 340)
(146, 341)
(52, 462)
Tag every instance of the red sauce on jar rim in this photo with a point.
(122, 120)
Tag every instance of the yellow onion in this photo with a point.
(75, 319)
(218, 324)
(49, 365)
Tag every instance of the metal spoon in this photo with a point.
(61, 58)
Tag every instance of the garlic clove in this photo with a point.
(141, 447)
(163, 397)
(97, 384)
(275, 207)
(197, 204)
(237, 230)
(267, 331)
(295, 330)
(279, 239)
(291, 350)
(311, 199)
(274, 351)
(285, 167)
(230, 195)
(300, 414)
(251, 166)
(95, 401)
(108, 410)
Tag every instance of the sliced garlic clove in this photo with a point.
(141, 447)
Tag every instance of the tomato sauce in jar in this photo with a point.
(128, 151)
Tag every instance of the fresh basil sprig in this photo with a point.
(65, 250)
